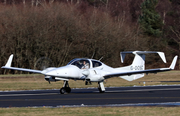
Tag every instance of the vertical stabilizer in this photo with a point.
(138, 63)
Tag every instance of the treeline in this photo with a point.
(65, 30)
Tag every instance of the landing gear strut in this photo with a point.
(88, 82)
(65, 88)
(101, 87)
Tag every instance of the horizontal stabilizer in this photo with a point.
(161, 54)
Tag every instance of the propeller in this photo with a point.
(86, 73)
(43, 63)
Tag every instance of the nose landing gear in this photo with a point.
(65, 88)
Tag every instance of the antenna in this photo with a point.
(101, 58)
(93, 55)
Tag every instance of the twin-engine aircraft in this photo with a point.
(91, 70)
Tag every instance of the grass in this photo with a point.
(37, 82)
(92, 111)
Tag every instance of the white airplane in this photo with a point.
(91, 70)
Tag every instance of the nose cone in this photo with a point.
(68, 71)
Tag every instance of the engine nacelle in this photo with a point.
(50, 78)
(95, 76)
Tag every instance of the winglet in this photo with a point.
(8, 64)
(172, 66)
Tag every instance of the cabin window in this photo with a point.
(82, 64)
(96, 63)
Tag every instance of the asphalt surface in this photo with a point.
(119, 96)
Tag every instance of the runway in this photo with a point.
(115, 96)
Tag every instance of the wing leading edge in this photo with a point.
(172, 66)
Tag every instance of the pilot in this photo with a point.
(85, 65)
(78, 64)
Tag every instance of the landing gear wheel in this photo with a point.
(65, 88)
(62, 90)
(68, 89)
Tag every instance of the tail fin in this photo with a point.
(138, 63)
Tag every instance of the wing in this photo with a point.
(8, 66)
(172, 66)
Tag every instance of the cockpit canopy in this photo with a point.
(84, 63)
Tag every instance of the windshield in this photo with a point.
(80, 63)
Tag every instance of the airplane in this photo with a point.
(91, 70)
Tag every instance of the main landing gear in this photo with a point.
(65, 88)
(101, 87)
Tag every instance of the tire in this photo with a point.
(68, 89)
(62, 90)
